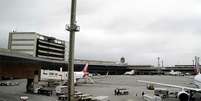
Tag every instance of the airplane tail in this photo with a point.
(85, 70)
(197, 66)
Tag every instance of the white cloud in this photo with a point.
(140, 30)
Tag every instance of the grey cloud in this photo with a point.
(140, 30)
(175, 25)
(142, 51)
(3, 38)
(39, 16)
(85, 7)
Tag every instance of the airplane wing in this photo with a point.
(170, 85)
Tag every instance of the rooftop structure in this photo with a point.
(38, 45)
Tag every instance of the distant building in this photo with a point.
(94, 62)
(38, 45)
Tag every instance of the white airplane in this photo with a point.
(186, 93)
(132, 72)
(60, 75)
(174, 73)
(82, 74)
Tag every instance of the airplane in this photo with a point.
(82, 74)
(132, 72)
(47, 75)
(186, 93)
(174, 73)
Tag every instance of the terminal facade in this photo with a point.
(38, 45)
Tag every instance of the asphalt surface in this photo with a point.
(103, 86)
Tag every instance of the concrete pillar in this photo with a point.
(29, 87)
(35, 81)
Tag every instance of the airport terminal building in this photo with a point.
(38, 45)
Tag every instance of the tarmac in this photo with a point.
(103, 86)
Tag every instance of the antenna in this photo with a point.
(14, 29)
(159, 69)
(158, 61)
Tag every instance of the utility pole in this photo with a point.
(72, 28)
(162, 63)
(159, 69)
(197, 64)
(193, 62)
(158, 62)
(196, 60)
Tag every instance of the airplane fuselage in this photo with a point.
(79, 75)
(59, 75)
(172, 72)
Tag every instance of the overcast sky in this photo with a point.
(139, 30)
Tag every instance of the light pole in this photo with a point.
(158, 58)
(72, 29)
(159, 68)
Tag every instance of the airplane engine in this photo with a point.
(183, 96)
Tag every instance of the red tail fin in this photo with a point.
(85, 70)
